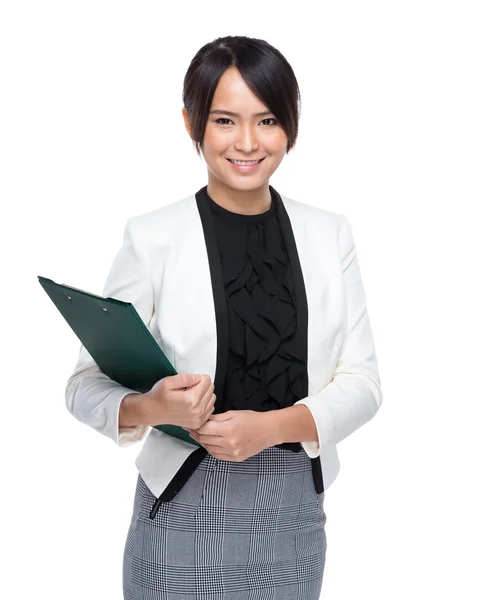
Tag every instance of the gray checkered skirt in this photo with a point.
(236, 530)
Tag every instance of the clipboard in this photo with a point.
(117, 339)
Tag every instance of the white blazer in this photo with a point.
(167, 268)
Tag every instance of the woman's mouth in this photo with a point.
(245, 166)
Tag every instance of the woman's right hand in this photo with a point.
(185, 399)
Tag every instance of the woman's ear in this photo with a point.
(186, 118)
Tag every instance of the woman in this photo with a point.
(263, 293)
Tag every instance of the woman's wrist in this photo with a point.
(133, 410)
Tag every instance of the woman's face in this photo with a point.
(245, 135)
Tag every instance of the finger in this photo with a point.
(220, 456)
(217, 441)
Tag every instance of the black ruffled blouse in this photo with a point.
(265, 364)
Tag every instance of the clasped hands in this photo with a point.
(235, 435)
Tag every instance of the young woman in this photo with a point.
(257, 301)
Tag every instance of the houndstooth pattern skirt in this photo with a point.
(251, 530)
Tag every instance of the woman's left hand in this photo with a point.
(235, 435)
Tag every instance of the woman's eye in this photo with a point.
(225, 119)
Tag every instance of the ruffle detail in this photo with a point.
(265, 363)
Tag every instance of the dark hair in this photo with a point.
(265, 70)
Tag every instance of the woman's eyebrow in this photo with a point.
(234, 114)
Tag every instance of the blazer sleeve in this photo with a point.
(354, 394)
(91, 396)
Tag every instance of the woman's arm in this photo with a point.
(91, 396)
(354, 394)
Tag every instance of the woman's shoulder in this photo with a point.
(168, 210)
(306, 210)
(161, 225)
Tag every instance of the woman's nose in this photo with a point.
(247, 139)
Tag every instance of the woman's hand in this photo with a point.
(184, 399)
(235, 435)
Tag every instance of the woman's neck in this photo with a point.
(245, 202)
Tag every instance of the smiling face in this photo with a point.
(252, 132)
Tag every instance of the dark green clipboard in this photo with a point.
(117, 339)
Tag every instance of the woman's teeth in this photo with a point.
(244, 162)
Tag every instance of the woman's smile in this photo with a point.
(245, 166)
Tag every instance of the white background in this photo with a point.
(401, 131)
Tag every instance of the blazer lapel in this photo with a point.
(219, 297)
(302, 312)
